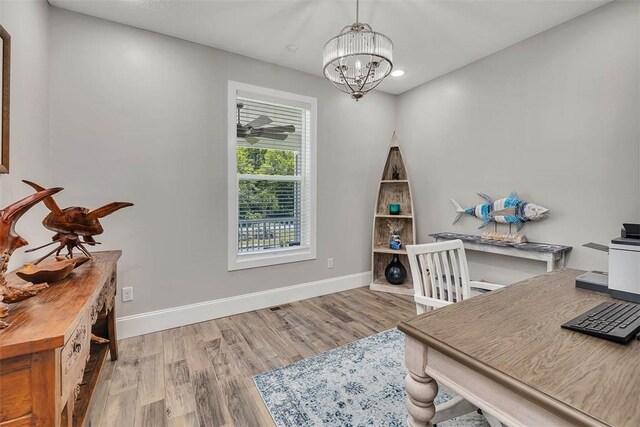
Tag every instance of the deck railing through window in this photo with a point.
(271, 233)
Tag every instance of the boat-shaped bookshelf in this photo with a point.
(394, 188)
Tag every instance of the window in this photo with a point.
(272, 187)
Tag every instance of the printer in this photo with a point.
(624, 264)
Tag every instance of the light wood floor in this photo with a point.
(200, 375)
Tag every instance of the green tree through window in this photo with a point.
(262, 199)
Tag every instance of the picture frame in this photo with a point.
(5, 84)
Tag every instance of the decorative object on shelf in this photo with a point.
(9, 242)
(391, 232)
(510, 210)
(51, 272)
(358, 58)
(395, 227)
(395, 174)
(44, 274)
(71, 223)
(396, 242)
(505, 237)
(5, 92)
(395, 273)
(394, 209)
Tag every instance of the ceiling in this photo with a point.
(431, 37)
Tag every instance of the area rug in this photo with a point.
(358, 384)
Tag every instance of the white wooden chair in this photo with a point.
(441, 277)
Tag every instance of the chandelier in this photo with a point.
(357, 59)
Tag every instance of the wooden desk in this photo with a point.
(505, 352)
(553, 255)
(48, 364)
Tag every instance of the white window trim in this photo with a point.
(265, 258)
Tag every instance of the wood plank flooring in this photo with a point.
(201, 375)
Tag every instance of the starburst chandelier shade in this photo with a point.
(357, 59)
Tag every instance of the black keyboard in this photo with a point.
(614, 321)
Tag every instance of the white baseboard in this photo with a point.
(153, 321)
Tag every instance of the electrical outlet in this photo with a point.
(329, 262)
(127, 294)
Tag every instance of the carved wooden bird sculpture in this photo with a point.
(72, 223)
(9, 242)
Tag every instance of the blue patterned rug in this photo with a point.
(358, 384)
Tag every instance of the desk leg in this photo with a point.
(421, 389)
(111, 330)
(562, 260)
(555, 262)
(67, 412)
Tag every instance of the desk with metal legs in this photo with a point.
(505, 352)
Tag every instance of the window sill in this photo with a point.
(268, 258)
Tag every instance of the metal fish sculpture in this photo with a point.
(510, 210)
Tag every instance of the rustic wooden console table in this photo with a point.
(553, 255)
(49, 366)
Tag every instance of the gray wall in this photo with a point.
(27, 23)
(140, 116)
(137, 116)
(554, 117)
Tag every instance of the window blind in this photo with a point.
(280, 115)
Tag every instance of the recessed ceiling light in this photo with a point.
(292, 47)
(397, 73)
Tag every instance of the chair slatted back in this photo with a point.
(440, 274)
